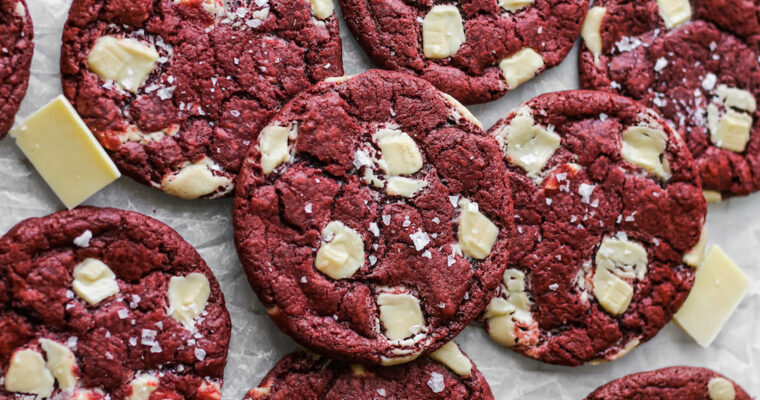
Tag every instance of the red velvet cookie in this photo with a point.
(697, 63)
(608, 206)
(176, 90)
(16, 49)
(100, 303)
(673, 383)
(474, 50)
(449, 375)
(372, 218)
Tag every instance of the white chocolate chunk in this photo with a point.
(322, 9)
(736, 98)
(719, 286)
(613, 293)
(196, 180)
(521, 67)
(188, 296)
(27, 374)
(505, 315)
(94, 281)
(674, 12)
(61, 363)
(451, 356)
(625, 258)
(406, 187)
(645, 147)
(442, 32)
(694, 256)
(388, 361)
(477, 234)
(142, 386)
(342, 254)
(401, 156)
(732, 132)
(712, 196)
(528, 146)
(501, 328)
(20, 10)
(126, 61)
(591, 31)
(720, 388)
(463, 112)
(400, 314)
(514, 5)
(273, 143)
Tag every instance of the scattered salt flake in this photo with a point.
(72, 342)
(709, 82)
(548, 201)
(307, 208)
(200, 354)
(123, 313)
(436, 382)
(553, 286)
(381, 392)
(661, 63)
(420, 239)
(585, 190)
(156, 348)
(165, 93)
(387, 220)
(436, 220)
(454, 200)
(441, 305)
(303, 279)
(627, 43)
(83, 240)
(602, 117)
(622, 236)
(374, 229)
(372, 260)
(133, 341)
(69, 294)
(427, 254)
(148, 337)
(406, 221)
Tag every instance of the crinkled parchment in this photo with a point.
(256, 342)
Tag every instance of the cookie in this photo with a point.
(608, 208)
(697, 63)
(16, 49)
(475, 51)
(176, 90)
(448, 374)
(372, 218)
(683, 383)
(99, 303)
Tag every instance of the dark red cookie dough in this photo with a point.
(672, 383)
(307, 376)
(409, 244)
(124, 335)
(221, 75)
(390, 31)
(16, 49)
(586, 194)
(679, 72)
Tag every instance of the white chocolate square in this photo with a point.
(400, 154)
(514, 5)
(674, 12)
(733, 131)
(126, 61)
(736, 98)
(462, 111)
(442, 32)
(613, 293)
(501, 328)
(645, 147)
(61, 363)
(405, 187)
(477, 234)
(273, 143)
(196, 180)
(322, 9)
(528, 146)
(27, 374)
(521, 67)
(591, 31)
(400, 314)
(94, 281)
(143, 386)
(720, 388)
(712, 196)
(625, 258)
(342, 254)
(188, 297)
(694, 256)
(719, 286)
(451, 356)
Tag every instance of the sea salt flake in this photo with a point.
(661, 63)
(553, 286)
(307, 208)
(83, 240)
(420, 239)
(387, 220)
(436, 382)
(381, 392)
(200, 354)
(374, 229)
(148, 337)
(123, 313)
(585, 190)
(454, 200)
(709, 82)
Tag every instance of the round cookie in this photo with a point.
(384, 214)
(102, 303)
(176, 90)
(475, 51)
(447, 374)
(17, 45)
(697, 63)
(608, 208)
(682, 383)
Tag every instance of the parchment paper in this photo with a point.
(256, 342)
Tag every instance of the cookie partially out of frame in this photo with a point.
(372, 218)
(608, 208)
(176, 90)
(447, 374)
(16, 50)
(99, 303)
(676, 383)
(697, 63)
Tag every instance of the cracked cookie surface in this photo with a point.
(116, 302)
(16, 43)
(607, 202)
(373, 218)
(176, 90)
(692, 61)
(474, 50)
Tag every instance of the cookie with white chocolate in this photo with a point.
(176, 90)
(683, 383)
(446, 374)
(609, 213)
(16, 49)
(373, 218)
(697, 63)
(98, 303)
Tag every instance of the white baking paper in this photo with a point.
(256, 342)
